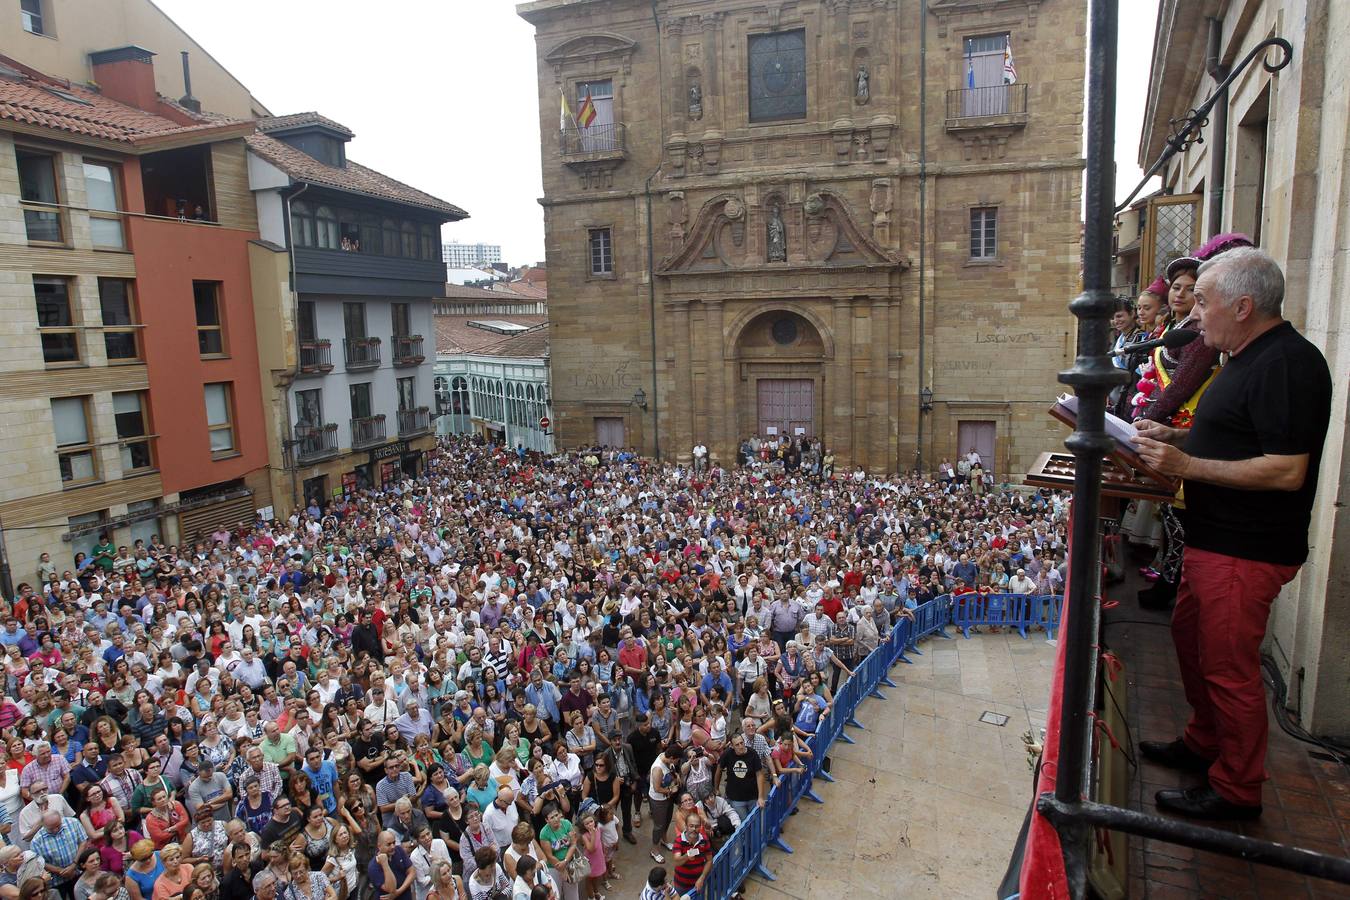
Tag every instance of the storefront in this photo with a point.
(394, 462)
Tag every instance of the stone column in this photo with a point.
(721, 414)
(839, 428)
(882, 414)
(681, 405)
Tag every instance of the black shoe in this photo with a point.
(1161, 595)
(1205, 803)
(1174, 755)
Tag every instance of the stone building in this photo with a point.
(1272, 165)
(860, 227)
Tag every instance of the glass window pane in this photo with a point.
(217, 405)
(114, 298)
(106, 232)
(77, 466)
(42, 226)
(777, 76)
(120, 345)
(37, 176)
(204, 297)
(222, 439)
(209, 343)
(60, 348)
(100, 186)
(53, 302)
(68, 421)
(136, 456)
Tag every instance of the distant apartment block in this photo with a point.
(460, 256)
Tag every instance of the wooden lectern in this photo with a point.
(1125, 475)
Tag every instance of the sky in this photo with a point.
(442, 94)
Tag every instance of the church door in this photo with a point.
(787, 405)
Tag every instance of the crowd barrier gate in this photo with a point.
(743, 852)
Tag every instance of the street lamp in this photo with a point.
(925, 399)
(640, 399)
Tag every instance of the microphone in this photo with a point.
(1179, 337)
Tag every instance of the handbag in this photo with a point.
(578, 868)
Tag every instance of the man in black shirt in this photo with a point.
(1249, 464)
(646, 745)
(744, 770)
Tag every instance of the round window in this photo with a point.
(785, 330)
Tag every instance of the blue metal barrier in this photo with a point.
(1019, 611)
(743, 852)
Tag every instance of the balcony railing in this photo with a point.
(595, 142)
(362, 353)
(412, 422)
(316, 357)
(408, 350)
(313, 442)
(1004, 103)
(367, 431)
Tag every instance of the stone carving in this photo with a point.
(695, 101)
(777, 235)
(862, 89)
(733, 209)
(880, 204)
(814, 205)
(677, 212)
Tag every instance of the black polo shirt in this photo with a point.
(1272, 398)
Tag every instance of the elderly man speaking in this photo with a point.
(1249, 465)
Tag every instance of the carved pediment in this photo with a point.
(822, 233)
(592, 46)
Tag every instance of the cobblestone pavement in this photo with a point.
(929, 800)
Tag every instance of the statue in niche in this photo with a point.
(777, 235)
(695, 101)
(863, 90)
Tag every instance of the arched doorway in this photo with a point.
(780, 356)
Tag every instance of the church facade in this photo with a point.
(854, 220)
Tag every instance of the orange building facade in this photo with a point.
(132, 392)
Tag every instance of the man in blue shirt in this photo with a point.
(323, 776)
(715, 678)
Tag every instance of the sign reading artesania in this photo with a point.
(388, 451)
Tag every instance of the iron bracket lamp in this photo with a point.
(925, 399)
(640, 399)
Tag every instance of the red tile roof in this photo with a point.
(354, 177)
(536, 290)
(294, 120)
(31, 98)
(454, 334)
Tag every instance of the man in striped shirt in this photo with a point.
(693, 853)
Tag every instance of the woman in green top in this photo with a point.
(482, 790)
(558, 837)
(476, 749)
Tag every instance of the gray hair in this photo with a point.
(265, 878)
(1248, 272)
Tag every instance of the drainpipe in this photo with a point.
(289, 377)
(923, 218)
(651, 250)
(1218, 143)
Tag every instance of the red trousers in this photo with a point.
(1219, 622)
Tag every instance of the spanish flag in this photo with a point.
(586, 111)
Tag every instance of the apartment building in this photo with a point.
(346, 273)
(130, 373)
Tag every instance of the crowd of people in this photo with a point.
(473, 685)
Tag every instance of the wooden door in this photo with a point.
(787, 405)
(979, 435)
(609, 431)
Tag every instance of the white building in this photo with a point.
(492, 368)
(464, 256)
(350, 368)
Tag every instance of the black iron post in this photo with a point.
(1092, 378)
